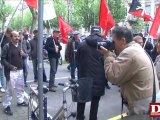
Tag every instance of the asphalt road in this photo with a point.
(109, 106)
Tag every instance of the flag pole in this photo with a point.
(50, 29)
(146, 41)
(10, 21)
(22, 23)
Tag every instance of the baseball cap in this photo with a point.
(95, 29)
(75, 32)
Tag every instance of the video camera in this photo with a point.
(106, 44)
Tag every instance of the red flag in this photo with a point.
(147, 17)
(31, 3)
(64, 29)
(106, 21)
(137, 10)
(156, 24)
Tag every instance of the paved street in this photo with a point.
(110, 104)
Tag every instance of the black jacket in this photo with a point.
(5, 40)
(91, 63)
(34, 48)
(50, 47)
(70, 50)
(7, 58)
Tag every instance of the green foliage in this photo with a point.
(137, 25)
(85, 12)
(5, 11)
(118, 10)
(17, 20)
(61, 10)
(27, 19)
(78, 13)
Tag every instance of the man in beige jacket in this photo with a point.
(131, 69)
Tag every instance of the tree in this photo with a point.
(118, 9)
(61, 10)
(137, 25)
(85, 12)
(5, 11)
(17, 19)
(27, 19)
(34, 18)
(15, 24)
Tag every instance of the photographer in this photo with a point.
(132, 70)
(91, 68)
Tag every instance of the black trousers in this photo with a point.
(93, 109)
(35, 70)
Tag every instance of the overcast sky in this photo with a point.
(13, 2)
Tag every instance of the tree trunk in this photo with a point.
(34, 19)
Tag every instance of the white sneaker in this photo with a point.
(3, 90)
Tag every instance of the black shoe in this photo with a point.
(52, 89)
(55, 86)
(8, 110)
(25, 85)
(35, 80)
(24, 104)
(68, 68)
(108, 87)
(46, 81)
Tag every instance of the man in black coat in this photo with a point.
(34, 57)
(53, 47)
(91, 64)
(7, 37)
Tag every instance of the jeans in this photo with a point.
(25, 70)
(93, 109)
(2, 80)
(53, 69)
(73, 66)
(35, 70)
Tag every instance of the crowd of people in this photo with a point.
(131, 66)
(16, 49)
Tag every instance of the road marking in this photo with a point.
(29, 81)
(118, 117)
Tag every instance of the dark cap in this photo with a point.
(95, 29)
(35, 31)
(56, 31)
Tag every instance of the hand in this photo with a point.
(56, 48)
(158, 47)
(14, 68)
(103, 50)
(22, 53)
